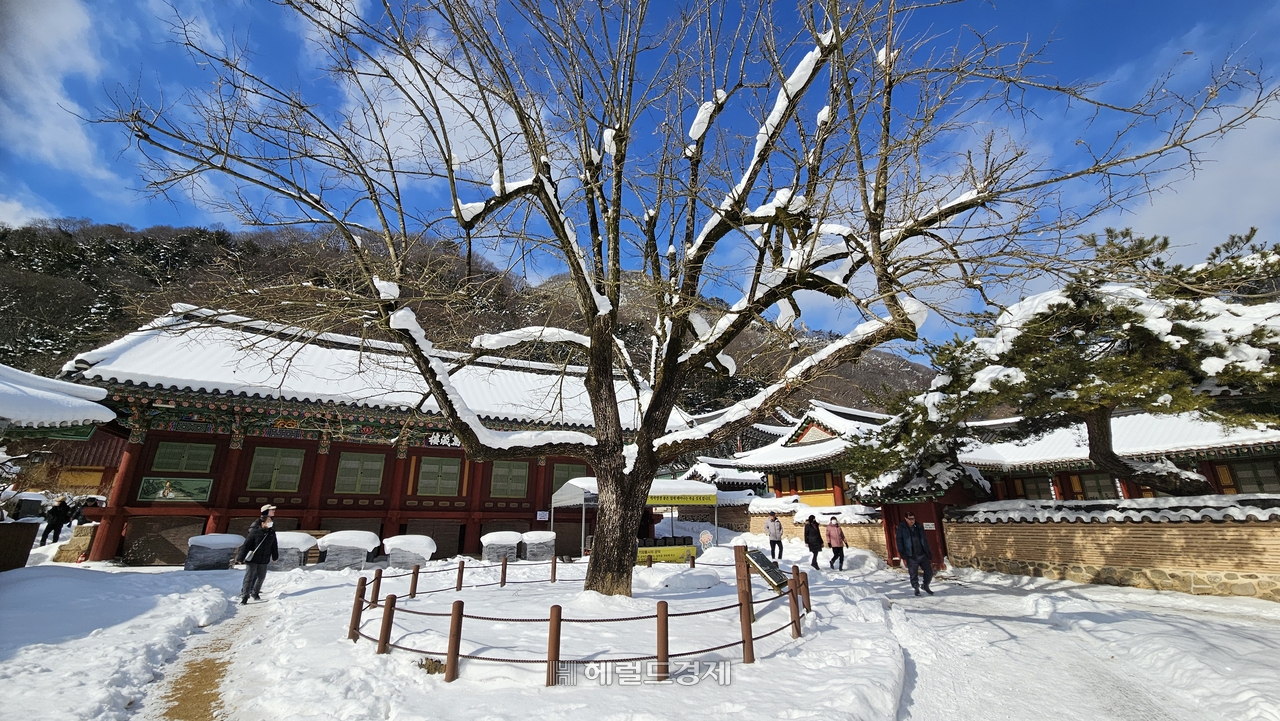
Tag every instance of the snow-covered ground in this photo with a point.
(99, 642)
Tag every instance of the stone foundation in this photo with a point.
(1231, 558)
(81, 540)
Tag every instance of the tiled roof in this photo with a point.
(32, 401)
(203, 354)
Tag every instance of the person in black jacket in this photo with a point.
(259, 549)
(813, 538)
(54, 519)
(913, 549)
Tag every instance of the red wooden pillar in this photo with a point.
(218, 519)
(541, 487)
(399, 482)
(311, 516)
(471, 540)
(106, 542)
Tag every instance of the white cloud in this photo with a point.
(16, 211)
(1232, 192)
(43, 43)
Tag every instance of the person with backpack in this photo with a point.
(913, 549)
(813, 538)
(773, 529)
(259, 549)
(835, 539)
(54, 519)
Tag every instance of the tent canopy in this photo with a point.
(663, 492)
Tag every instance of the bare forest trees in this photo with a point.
(764, 150)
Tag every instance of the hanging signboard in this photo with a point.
(682, 499)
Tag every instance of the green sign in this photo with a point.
(175, 490)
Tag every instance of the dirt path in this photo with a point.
(192, 691)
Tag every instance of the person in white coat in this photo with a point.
(773, 529)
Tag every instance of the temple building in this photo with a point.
(224, 414)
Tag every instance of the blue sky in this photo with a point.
(62, 58)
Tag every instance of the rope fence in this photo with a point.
(797, 593)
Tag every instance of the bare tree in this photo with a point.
(841, 148)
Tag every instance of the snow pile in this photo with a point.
(1245, 507)
(83, 644)
(672, 578)
(501, 538)
(422, 545)
(409, 551)
(538, 536)
(364, 540)
(295, 540)
(499, 545)
(217, 540)
(786, 504)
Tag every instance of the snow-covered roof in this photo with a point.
(1138, 434)
(32, 401)
(1255, 506)
(792, 451)
(721, 470)
(577, 491)
(194, 350)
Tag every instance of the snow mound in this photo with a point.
(350, 539)
(665, 578)
(421, 545)
(786, 504)
(296, 540)
(500, 538)
(217, 540)
(538, 536)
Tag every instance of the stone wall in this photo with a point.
(1225, 558)
(869, 536)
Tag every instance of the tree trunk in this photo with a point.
(1102, 453)
(613, 555)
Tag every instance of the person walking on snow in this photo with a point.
(54, 519)
(913, 549)
(773, 529)
(813, 538)
(835, 539)
(259, 549)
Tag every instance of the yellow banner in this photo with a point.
(699, 499)
(664, 554)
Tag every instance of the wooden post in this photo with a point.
(745, 611)
(377, 586)
(649, 562)
(357, 609)
(691, 557)
(794, 603)
(502, 579)
(553, 568)
(388, 613)
(461, 565)
(553, 646)
(664, 667)
(455, 641)
(804, 591)
(413, 583)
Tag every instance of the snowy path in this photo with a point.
(999, 647)
(97, 642)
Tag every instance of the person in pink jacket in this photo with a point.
(835, 539)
